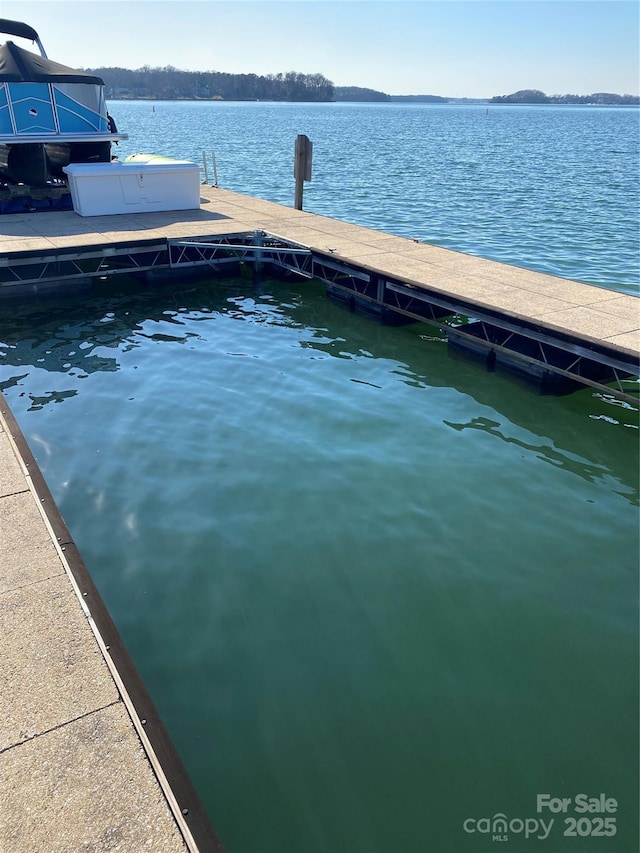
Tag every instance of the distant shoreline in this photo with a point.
(399, 100)
(173, 84)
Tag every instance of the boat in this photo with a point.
(50, 115)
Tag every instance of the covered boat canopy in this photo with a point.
(17, 28)
(23, 66)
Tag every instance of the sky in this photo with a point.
(453, 48)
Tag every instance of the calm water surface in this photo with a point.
(374, 590)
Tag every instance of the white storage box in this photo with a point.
(98, 189)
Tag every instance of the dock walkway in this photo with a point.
(593, 314)
(77, 769)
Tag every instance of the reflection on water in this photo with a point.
(545, 452)
(94, 335)
(374, 590)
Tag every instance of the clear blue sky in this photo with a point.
(459, 48)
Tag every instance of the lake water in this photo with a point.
(555, 189)
(378, 594)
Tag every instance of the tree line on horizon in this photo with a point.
(535, 96)
(169, 83)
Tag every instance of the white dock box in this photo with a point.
(98, 189)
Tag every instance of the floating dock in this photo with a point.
(85, 762)
(84, 758)
(560, 334)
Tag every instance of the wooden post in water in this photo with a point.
(302, 166)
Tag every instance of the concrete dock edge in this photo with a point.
(108, 715)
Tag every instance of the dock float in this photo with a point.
(85, 762)
(558, 333)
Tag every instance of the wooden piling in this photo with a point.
(302, 166)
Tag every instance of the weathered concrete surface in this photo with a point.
(593, 313)
(73, 774)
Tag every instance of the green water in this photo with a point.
(374, 591)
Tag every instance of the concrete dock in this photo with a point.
(555, 333)
(78, 769)
(84, 761)
(594, 314)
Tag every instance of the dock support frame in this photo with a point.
(558, 361)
